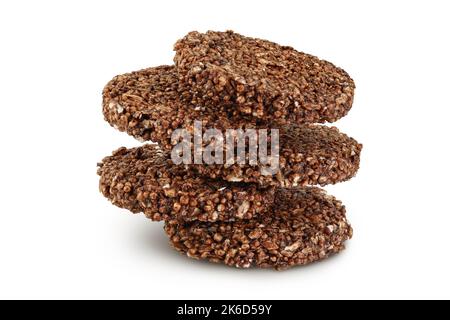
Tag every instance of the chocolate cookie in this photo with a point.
(150, 104)
(308, 155)
(143, 180)
(262, 79)
(305, 225)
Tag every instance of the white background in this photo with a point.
(59, 238)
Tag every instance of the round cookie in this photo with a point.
(308, 155)
(143, 180)
(305, 225)
(150, 104)
(262, 78)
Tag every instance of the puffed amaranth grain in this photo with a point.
(262, 78)
(150, 104)
(306, 225)
(143, 180)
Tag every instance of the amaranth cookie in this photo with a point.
(150, 104)
(143, 180)
(305, 225)
(262, 78)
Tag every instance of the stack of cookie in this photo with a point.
(235, 214)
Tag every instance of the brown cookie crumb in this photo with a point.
(305, 225)
(262, 78)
